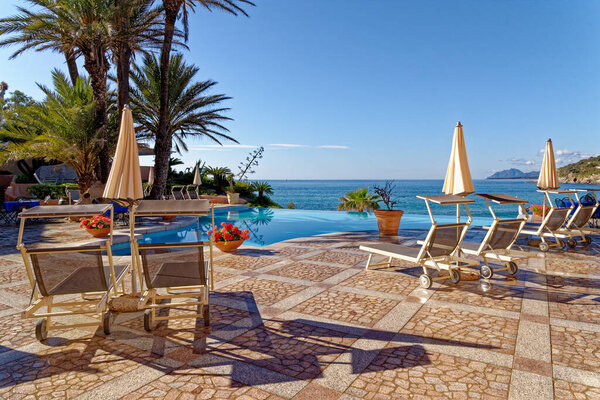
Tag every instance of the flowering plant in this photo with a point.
(228, 233)
(95, 222)
(537, 209)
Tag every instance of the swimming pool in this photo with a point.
(268, 226)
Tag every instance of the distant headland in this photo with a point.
(514, 173)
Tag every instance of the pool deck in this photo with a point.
(302, 319)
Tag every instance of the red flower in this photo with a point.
(223, 224)
(217, 236)
(227, 237)
(208, 233)
(236, 230)
(229, 227)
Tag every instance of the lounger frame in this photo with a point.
(178, 192)
(451, 261)
(578, 228)
(95, 303)
(151, 299)
(543, 230)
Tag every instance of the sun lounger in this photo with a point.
(439, 249)
(58, 273)
(174, 271)
(577, 225)
(500, 238)
(178, 193)
(192, 192)
(552, 222)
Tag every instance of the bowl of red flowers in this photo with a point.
(229, 237)
(97, 226)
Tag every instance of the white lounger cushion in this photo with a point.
(393, 250)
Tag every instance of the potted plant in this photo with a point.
(537, 212)
(229, 237)
(388, 220)
(232, 196)
(97, 226)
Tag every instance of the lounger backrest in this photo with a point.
(504, 234)
(69, 271)
(445, 239)
(192, 194)
(582, 217)
(168, 264)
(557, 218)
(178, 193)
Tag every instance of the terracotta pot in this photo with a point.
(233, 198)
(388, 221)
(229, 246)
(98, 232)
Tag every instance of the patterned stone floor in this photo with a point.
(302, 319)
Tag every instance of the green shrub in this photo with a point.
(54, 191)
(24, 179)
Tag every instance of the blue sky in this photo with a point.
(344, 89)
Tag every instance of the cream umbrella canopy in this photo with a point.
(548, 178)
(458, 176)
(197, 179)
(125, 178)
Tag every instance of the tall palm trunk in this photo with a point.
(123, 59)
(163, 142)
(72, 66)
(96, 64)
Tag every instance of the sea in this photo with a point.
(325, 194)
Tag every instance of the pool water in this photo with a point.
(268, 226)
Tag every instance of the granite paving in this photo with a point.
(303, 319)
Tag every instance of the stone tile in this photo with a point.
(16, 331)
(575, 348)
(245, 262)
(313, 391)
(291, 348)
(573, 285)
(569, 265)
(348, 307)
(262, 291)
(464, 328)
(574, 306)
(338, 257)
(195, 383)
(70, 370)
(386, 282)
(11, 275)
(413, 372)
(292, 251)
(307, 271)
(565, 390)
(507, 298)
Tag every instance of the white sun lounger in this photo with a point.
(500, 238)
(552, 222)
(577, 225)
(439, 249)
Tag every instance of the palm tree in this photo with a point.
(219, 175)
(172, 10)
(60, 128)
(138, 28)
(192, 111)
(40, 30)
(359, 200)
(262, 188)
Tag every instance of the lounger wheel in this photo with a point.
(107, 320)
(572, 243)
(588, 241)
(562, 244)
(454, 276)
(41, 332)
(544, 246)
(425, 281)
(148, 320)
(512, 267)
(486, 272)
